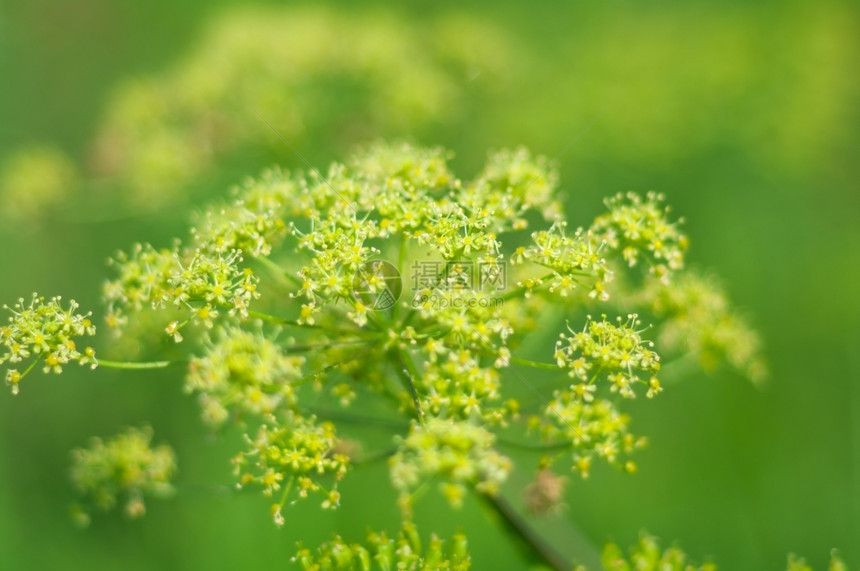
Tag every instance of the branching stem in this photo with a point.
(531, 540)
(407, 371)
(132, 365)
(536, 364)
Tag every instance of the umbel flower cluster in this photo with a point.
(42, 332)
(387, 284)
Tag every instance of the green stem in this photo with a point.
(371, 457)
(293, 323)
(522, 289)
(535, 364)
(286, 493)
(362, 420)
(406, 371)
(273, 318)
(331, 366)
(536, 446)
(31, 366)
(139, 365)
(278, 271)
(401, 259)
(530, 539)
(318, 346)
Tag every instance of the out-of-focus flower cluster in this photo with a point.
(43, 332)
(545, 494)
(253, 221)
(697, 318)
(245, 371)
(33, 180)
(259, 67)
(384, 553)
(459, 452)
(530, 183)
(124, 468)
(292, 67)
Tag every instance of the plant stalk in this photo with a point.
(530, 540)
(139, 365)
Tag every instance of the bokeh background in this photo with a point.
(744, 114)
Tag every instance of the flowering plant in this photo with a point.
(293, 301)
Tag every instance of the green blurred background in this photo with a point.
(744, 114)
